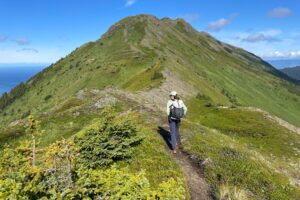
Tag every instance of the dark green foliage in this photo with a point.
(113, 141)
(201, 96)
(49, 96)
(205, 98)
(70, 103)
(157, 75)
(8, 98)
(26, 114)
(61, 173)
(232, 98)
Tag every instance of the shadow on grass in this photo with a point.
(165, 135)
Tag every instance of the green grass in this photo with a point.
(249, 127)
(153, 157)
(130, 56)
(70, 103)
(247, 150)
(150, 156)
(233, 165)
(146, 79)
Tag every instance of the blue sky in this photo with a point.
(42, 31)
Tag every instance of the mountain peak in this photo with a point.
(149, 20)
(141, 52)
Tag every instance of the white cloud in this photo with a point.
(189, 17)
(282, 55)
(129, 3)
(287, 47)
(3, 38)
(218, 25)
(221, 23)
(22, 41)
(262, 36)
(280, 12)
(29, 50)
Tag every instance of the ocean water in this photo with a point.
(11, 76)
(279, 64)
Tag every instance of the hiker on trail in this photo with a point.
(175, 110)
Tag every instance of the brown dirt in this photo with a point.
(193, 173)
(198, 188)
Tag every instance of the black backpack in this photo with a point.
(176, 113)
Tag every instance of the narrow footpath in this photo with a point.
(198, 188)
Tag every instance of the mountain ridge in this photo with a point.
(136, 43)
(132, 68)
(293, 72)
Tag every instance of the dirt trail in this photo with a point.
(193, 173)
(198, 188)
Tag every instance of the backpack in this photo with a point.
(176, 113)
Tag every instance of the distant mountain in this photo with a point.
(279, 64)
(293, 72)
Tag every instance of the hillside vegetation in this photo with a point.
(117, 153)
(293, 72)
(145, 48)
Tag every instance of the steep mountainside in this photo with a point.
(293, 72)
(240, 135)
(143, 52)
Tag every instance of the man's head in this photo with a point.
(173, 95)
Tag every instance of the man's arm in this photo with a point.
(184, 108)
(168, 107)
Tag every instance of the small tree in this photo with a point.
(113, 141)
(33, 128)
(59, 163)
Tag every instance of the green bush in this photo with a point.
(157, 75)
(48, 97)
(67, 170)
(8, 98)
(116, 183)
(51, 178)
(113, 141)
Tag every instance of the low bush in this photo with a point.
(113, 141)
(64, 169)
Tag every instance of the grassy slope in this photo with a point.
(240, 77)
(136, 48)
(224, 74)
(247, 150)
(150, 156)
(109, 61)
